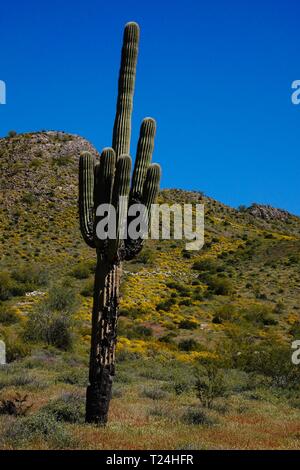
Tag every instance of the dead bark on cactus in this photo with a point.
(103, 183)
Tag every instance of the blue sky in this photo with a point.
(216, 75)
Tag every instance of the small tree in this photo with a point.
(209, 384)
(11, 134)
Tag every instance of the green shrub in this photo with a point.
(28, 198)
(69, 408)
(198, 417)
(189, 345)
(272, 360)
(166, 305)
(132, 313)
(15, 347)
(88, 289)
(210, 384)
(185, 302)
(8, 287)
(259, 314)
(183, 290)
(182, 386)
(208, 264)
(153, 393)
(295, 330)
(62, 298)
(40, 426)
(225, 313)
(50, 326)
(31, 276)
(219, 285)
(8, 315)
(188, 324)
(74, 376)
(140, 331)
(62, 160)
(145, 257)
(11, 134)
(81, 271)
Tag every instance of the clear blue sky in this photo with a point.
(215, 74)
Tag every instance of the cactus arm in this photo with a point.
(104, 179)
(120, 190)
(151, 185)
(86, 197)
(122, 125)
(143, 157)
(149, 195)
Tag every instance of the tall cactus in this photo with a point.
(104, 182)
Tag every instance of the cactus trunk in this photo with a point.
(103, 343)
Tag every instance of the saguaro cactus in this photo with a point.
(104, 182)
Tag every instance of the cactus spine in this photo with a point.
(104, 182)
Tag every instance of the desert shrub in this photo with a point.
(198, 417)
(145, 257)
(81, 271)
(35, 163)
(69, 408)
(62, 298)
(225, 313)
(16, 405)
(168, 338)
(74, 376)
(139, 331)
(16, 348)
(31, 276)
(40, 426)
(186, 254)
(31, 382)
(183, 290)
(88, 289)
(187, 324)
(134, 331)
(210, 384)
(50, 326)
(219, 285)
(279, 307)
(117, 392)
(160, 410)
(28, 198)
(259, 314)
(295, 330)
(5, 286)
(166, 304)
(209, 265)
(8, 287)
(186, 302)
(181, 386)
(153, 393)
(189, 345)
(132, 313)
(62, 160)
(11, 134)
(8, 315)
(273, 361)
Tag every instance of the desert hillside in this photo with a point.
(224, 316)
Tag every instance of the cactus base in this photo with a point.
(98, 396)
